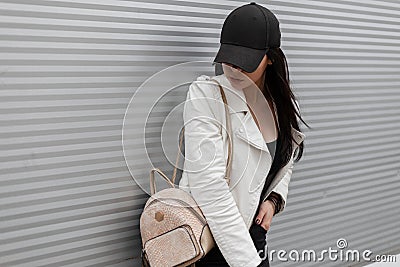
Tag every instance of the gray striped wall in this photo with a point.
(69, 68)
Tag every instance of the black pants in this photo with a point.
(214, 257)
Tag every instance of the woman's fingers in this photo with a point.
(265, 214)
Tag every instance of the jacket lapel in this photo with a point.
(248, 130)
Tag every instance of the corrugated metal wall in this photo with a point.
(69, 68)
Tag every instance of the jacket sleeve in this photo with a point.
(205, 166)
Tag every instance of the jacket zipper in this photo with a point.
(191, 209)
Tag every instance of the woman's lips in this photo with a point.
(235, 79)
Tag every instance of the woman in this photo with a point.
(265, 136)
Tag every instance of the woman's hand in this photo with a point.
(265, 214)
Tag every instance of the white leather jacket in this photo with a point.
(229, 210)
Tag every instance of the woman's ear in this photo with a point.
(269, 62)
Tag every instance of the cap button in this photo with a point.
(252, 3)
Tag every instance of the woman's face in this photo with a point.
(241, 79)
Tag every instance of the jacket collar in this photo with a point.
(248, 131)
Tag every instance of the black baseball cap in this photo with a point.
(247, 34)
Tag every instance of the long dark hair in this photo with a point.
(277, 91)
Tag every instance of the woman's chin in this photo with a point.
(236, 82)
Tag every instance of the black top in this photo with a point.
(271, 147)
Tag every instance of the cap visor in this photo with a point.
(245, 58)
